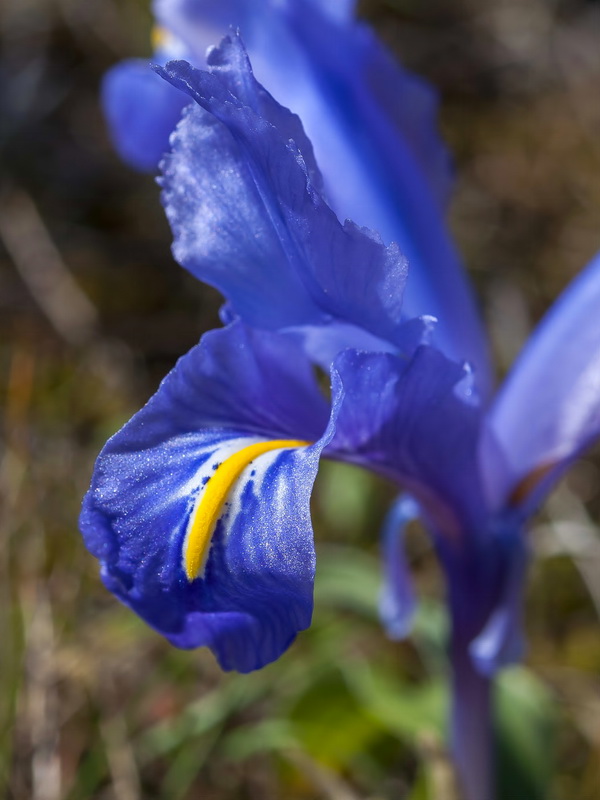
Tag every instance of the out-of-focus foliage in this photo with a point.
(93, 312)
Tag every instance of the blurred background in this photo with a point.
(93, 312)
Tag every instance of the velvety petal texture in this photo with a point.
(548, 409)
(240, 584)
(247, 217)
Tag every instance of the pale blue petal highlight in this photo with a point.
(548, 409)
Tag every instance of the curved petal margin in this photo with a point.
(247, 218)
(549, 407)
(199, 507)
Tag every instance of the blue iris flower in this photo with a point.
(199, 507)
(240, 420)
(372, 125)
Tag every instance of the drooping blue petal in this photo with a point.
(247, 219)
(410, 420)
(141, 112)
(549, 407)
(397, 603)
(254, 592)
(419, 422)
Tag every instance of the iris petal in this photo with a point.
(502, 641)
(549, 407)
(374, 126)
(411, 420)
(319, 62)
(418, 422)
(397, 604)
(247, 218)
(141, 113)
(234, 390)
(374, 129)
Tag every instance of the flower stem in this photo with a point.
(472, 727)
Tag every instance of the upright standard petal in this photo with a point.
(247, 218)
(548, 409)
(199, 507)
(374, 126)
(395, 176)
(318, 61)
(374, 130)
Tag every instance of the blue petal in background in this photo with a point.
(397, 602)
(141, 111)
(548, 409)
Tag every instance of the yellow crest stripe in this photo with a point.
(214, 495)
